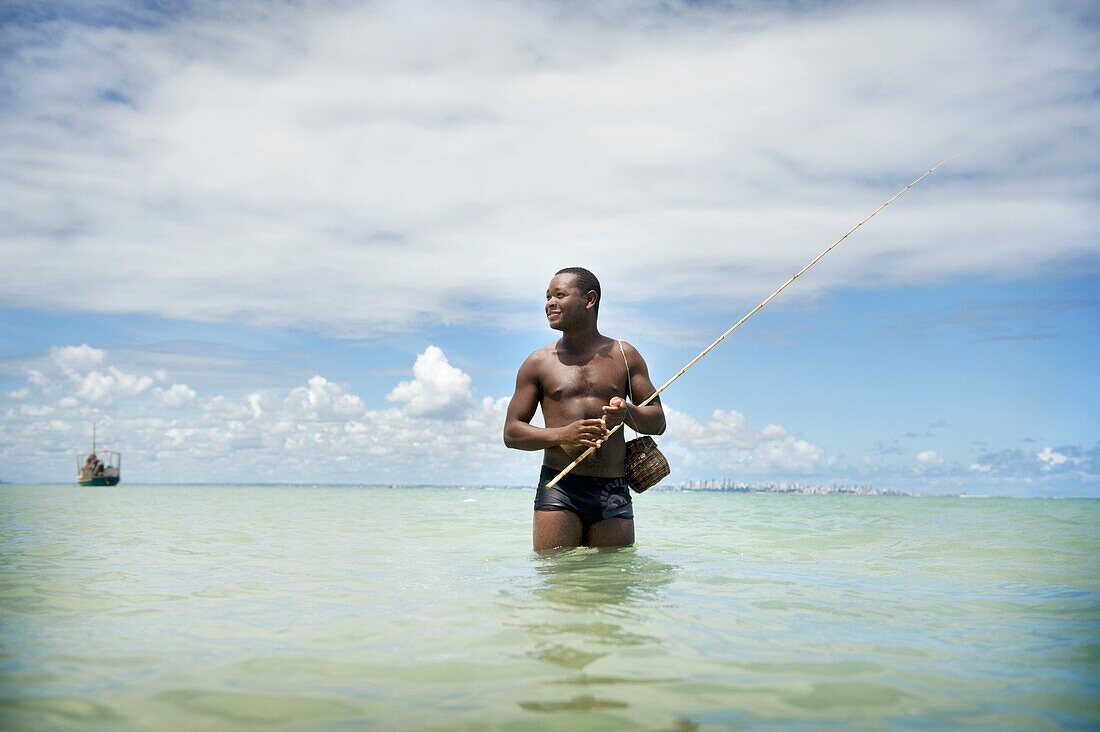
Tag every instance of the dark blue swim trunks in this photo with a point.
(592, 499)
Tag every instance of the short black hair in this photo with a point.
(585, 280)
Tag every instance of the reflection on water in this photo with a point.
(586, 608)
(582, 703)
(614, 581)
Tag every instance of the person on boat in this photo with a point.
(580, 382)
(93, 465)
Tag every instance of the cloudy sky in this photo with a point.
(307, 242)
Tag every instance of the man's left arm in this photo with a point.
(648, 420)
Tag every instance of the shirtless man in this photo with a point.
(580, 384)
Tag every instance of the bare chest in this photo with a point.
(601, 378)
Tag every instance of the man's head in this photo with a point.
(573, 295)
(586, 281)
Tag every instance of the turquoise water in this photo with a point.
(303, 608)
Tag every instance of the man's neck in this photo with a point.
(582, 339)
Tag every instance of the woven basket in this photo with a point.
(645, 465)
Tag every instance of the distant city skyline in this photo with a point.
(283, 243)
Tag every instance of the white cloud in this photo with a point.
(104, 388)
(320, 400)
(438, 389)
(321, 432)
(39, 379)
(77, 359)
(728, 445)
(929, 457)
(263, 404)
(176, 396)
(1050, 458)
(35, 411)
(219, 408)
(980, 468)
(19, 393)
(391, 149)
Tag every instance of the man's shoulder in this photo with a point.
(542, 355)
(630, 349)
(545, 351)
(633, 355)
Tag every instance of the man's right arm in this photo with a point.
(520, 434)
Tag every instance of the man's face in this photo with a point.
(565, 303)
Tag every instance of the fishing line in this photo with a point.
(746, 316)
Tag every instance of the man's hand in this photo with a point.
(614, 413)
(582, 433)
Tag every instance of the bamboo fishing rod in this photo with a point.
(567, 469)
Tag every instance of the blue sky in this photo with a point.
(264, 242)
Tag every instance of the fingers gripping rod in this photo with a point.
(565, 471)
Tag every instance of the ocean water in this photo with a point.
(226, 607)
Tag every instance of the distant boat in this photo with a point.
(91, 469)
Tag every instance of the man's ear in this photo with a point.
(590, 299)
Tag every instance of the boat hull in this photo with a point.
(98, 480)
